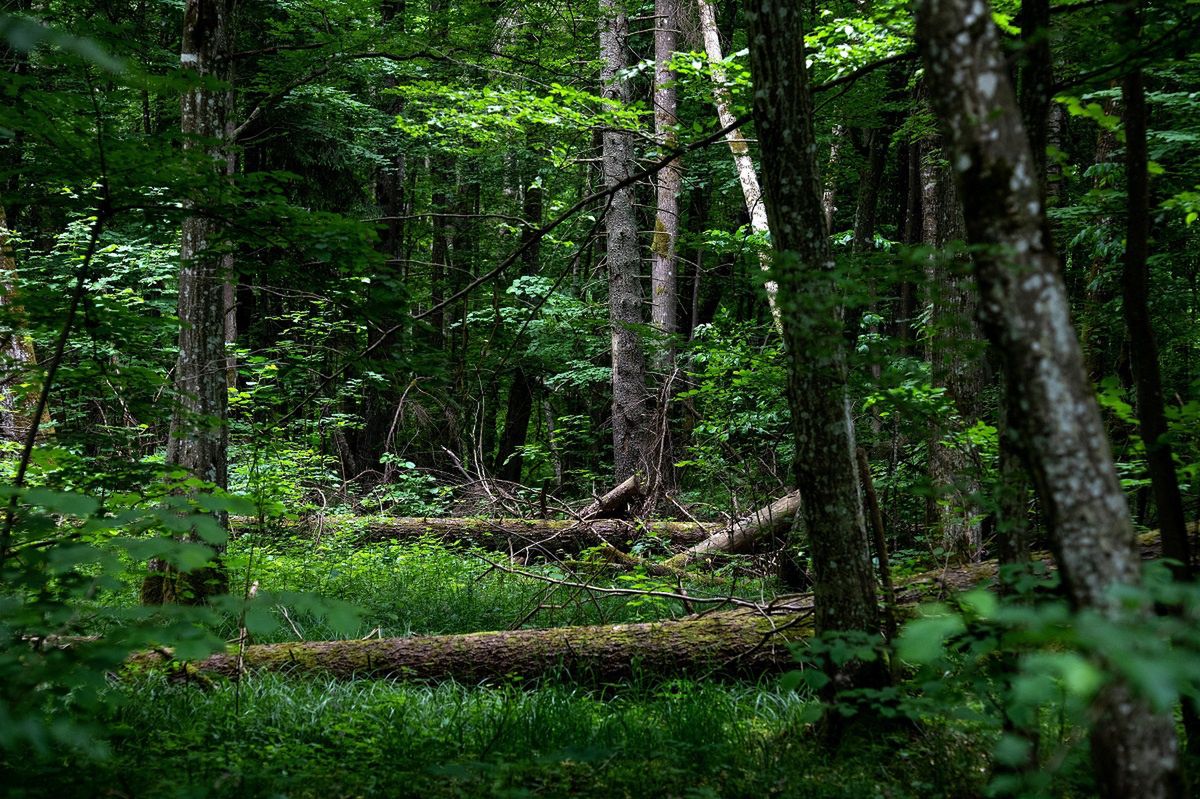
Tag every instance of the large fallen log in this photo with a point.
(742, 643)
(743, 534)
(532, 536)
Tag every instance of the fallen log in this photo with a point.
(531, 536)
(743, 534)
(742, 643)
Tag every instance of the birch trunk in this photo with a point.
(742, 162)
(1024, 311)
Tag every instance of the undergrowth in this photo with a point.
(277, 736)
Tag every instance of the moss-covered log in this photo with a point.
(534, 536)
(734, 643)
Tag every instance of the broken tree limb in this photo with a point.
(744, 533)
(731, 643)
(533, 535)
(615, 502)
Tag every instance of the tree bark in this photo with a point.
(742, 162)
(1024, 311)
(844, 584)
(732, 643)
(664, 294)
(199, 438)
(630, 404)
(737, 643)
(837, 139)
(1035, 77)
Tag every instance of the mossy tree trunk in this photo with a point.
(732, 643)
(826, 470)
(1025, 313)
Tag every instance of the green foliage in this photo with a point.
(1027, 666)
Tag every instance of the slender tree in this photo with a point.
(664, 294)
(1025, 313)
(1135, 283)
(738, 146)
(826, 468)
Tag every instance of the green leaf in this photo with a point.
(64, 502)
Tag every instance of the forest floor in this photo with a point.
(271, 735)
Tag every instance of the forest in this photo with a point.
(599, 398)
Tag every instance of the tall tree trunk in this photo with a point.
(391, 198)
(954, 367)
(630, 416)
(742, 162)
(199, 438)
(1025, 313)
(664, 295)
(1135, 282)
(844, 585)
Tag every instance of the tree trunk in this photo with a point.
(743, 534)
(630, 404)
(380, 400)
(18, 385)
(742, 162)
(954, 366)
(441, 175)
(837, 138)
(732, 643)
(664, 294)
(844, 584)
(1024, 311)
(199, 438)
(737, 643)
(1135, 282)
(509, 459)
(1035, 77)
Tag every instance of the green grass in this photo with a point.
(427, 588)
(280, 736)
(302, 738)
